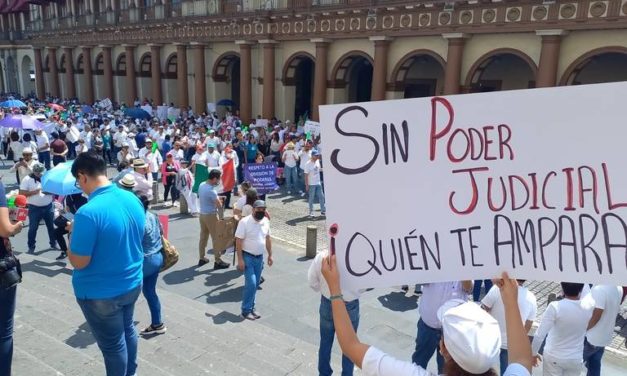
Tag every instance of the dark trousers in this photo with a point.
(227, 199)
(427, 342)
(170, 188)
(35, 215)
(44, 157)
(58, 159)
(71, 153)
(7, 310)
(107, 154)
(59, 234)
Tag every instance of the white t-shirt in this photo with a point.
(564, 325)
(200, 159)
(247, 210)
(213, 159)
(17, 148)
(241, 202)
(607, 298)
(526, 304)
(304, 158)
(312, 169)
(42, 139)
(291, 158)
(253, 234)
(318, 283)
(29, 184)
(378, 363)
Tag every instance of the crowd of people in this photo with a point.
(190, 155)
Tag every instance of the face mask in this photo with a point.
(259, 215)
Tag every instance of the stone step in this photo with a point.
(201, 339)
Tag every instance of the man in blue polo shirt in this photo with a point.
(106, 252)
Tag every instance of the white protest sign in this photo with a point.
(106, 104)
(162, 112)
(147, 109)
(464, 187)
(211, 108)
(173, 113)
(260, 123)
(312, 127)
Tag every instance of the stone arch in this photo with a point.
(145, 65)
(352, 75)
(120, 65)
(610, 57)
(171, 66)
(62, 64)
(419, 73)
(298, 82)
(170, 76)
(119, 73)
(27, 76)
(11, 74)
(98, 73)
(477, 79)
(226, 75)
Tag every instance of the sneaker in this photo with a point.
(311, 215)
(176, 204)
(256, 315)
(302, 194)
(154, 330)
(202, 262)
(167, 204)
(261, 280)
(323, 213)
(249, 316)
(62, 256)
(405, 288)
(220, 265)
(31, 250)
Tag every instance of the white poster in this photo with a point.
(147, 109)
(464, 187)
(162, 112)
(312, 127)
(173, 113)
(106, 104)
(211, 108)
(260, 123)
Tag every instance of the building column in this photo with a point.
(54, 72)
(131, 81)
(268, 79)
(454, 57)
(380, 69)
(181, 77)
(88, 75)
(155, 73)
(108, 72)
(549, 57)
(245, 81)
(200, 83)
(69, 73)
(320, 76)
(39, 75)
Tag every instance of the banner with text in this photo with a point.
(262, 176)
(529, 181)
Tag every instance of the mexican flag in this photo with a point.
(228, 176)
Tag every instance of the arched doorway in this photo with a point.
(144, 75)
(11, 70)
(79, 74)
(419, 74)
(27, 76)
(298, 74)
(505, 69)
(170, 75)
(225, 74)
(99, 77)
(598, 66)
(62, 81)
(120, 77)
(353, 73)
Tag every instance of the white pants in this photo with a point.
(192, 201)
(561, 367)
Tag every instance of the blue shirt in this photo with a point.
(165, 148)
(151, 242)
(140, 139)
(207, 196)
(251, 150)
(109, 228)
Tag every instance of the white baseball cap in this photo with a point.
(471, 335)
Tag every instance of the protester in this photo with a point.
(81, 147)
(209, 206)
(493, 303)
(24, 166)
(242, 200)
(434, 295)
(106, 283)
(327, 329)
(153, 261)
(169, 170)
(184, 185)
(59, 148)
(476, 289)
(252, 238)
(43, 148)
(128, 183)
(564, 326)
(143, 179)
(66, 215)
(39, 206)
(125, 155)
(313, 183)
(607, 301)
(8, 293)
(152, 158)
(248, 208)
(290, 169)
(470, 339)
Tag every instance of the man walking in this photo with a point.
(107, 255)
(313, 183)
(39, 206)
(607, 300)
(209, 206)
(252, 238)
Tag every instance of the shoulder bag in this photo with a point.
(169, 252)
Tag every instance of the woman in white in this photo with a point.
(143, 179)
(470, 342)
(125, 155)
(81, 147)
